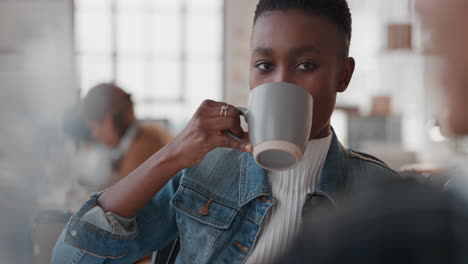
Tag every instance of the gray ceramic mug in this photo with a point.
(279, 118)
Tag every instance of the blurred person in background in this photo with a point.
(125, 143)
(417, 223)
(111, 142)
(107, 111)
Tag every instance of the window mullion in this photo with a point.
(148, 54)
(114, 53)
(183, 53)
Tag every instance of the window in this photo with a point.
(161, 51)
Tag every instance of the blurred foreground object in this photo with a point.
(397, 222)
(447, 20)
(46, 228)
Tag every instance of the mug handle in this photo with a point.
(243, 112)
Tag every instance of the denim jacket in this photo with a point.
(215, 208)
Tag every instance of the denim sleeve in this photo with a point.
(93, 236)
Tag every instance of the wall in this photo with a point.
(238, 21)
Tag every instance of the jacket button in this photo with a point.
(265, 199)
(205, 209)
(73, 233)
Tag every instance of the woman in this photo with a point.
(206, 189)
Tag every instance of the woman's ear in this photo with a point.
(346, 74)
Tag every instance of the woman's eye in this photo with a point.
(264, 66)
(306, 66)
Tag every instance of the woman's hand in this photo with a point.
(201, 135)
(204, 132)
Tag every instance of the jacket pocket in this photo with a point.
(203, 208)
(201, 220)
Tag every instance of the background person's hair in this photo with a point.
(336, 11)
(108, 98)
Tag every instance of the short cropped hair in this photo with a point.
(336, 11)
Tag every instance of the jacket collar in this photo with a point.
(334, 177)
(331, 183)
(253, 180)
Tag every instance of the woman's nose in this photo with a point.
(282, 75)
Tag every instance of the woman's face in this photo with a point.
(296, 47)
(447, 22)
(104, 131)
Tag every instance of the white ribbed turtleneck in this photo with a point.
(290, 188)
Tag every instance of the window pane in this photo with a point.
(93, 32)
(92, 4)
(131, 76)
(167, 5)
(204, 80)
(131, 33)
(124, 5)
(167, 34)
(205, 6)
(204, 34)
(166, 79)
(94, 70)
